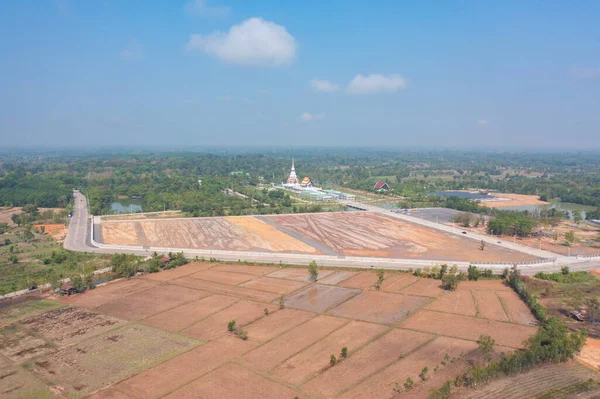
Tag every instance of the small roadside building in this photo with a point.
(381, 186)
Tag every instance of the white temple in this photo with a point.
(293, 179)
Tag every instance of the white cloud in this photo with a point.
(307, 116)
(585, 72)
(482, 122)
(375, 84)
(324, 86)
(132, 52)
(254, 42)
(200, 7)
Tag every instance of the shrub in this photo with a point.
(409, 383)
(281, 302)
(417, 272)
(266, 312)
(423, 374)
(450, 282)
(564, 270)
(313, 271)
(332, 360)
(344, 353)
(231, 326)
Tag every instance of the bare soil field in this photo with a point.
(183, 349)
(590, 354)
(489, 305)
(114, 290)
(222, 277)
(319, 298)
(276, 285)
(239, 234)
(298, 274)
(184, 316)
(58, 231)
(107, 358)
(185, 270)
(425, 287)
(469, 328)
(176, 372)
(345, 233)
(315, 359)
(217, 288)
(254, 270)
(368, 234)
(459, 302)
(517, 311)
(243, 312)
(379, 307)
(68, 325)
(504, 200)
(382, 384)
(398, 281)
(279, 349)
(277, 323)
(234, 381)
(336, 278)
(368, 360)
(362, 280)
(146, 303)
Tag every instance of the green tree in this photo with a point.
(570, 236)
(577, 217)
(16, 219)
(473, 273)
(486, 346)
(28, 235)
(313, 271)
(332, 360)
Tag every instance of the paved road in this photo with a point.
(78, 239)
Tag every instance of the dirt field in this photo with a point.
(379, 307)
(56, 231)
(233, 233)
(344, 233)
(590, 355)
(504, 200)
(319, 298)
(178, 345)
(368, 234)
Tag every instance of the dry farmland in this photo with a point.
(363, 234)
(165, 335)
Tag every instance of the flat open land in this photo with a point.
(363, 234)
(503, 200)
(231, 233)
(165, 335)
(369, 234)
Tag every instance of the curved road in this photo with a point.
(79, 239)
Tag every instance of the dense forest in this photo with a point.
(170, 179)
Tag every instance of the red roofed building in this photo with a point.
(381, 185)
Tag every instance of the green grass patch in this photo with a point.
(567, 392)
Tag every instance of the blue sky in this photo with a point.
(489, 74)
